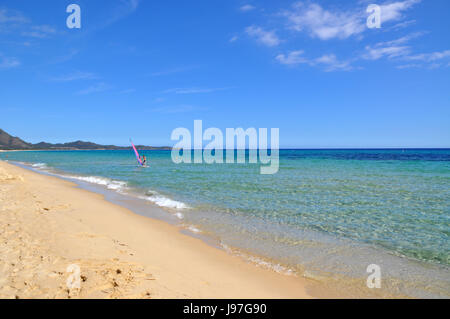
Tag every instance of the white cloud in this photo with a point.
(99, 87)
(391, 49)
(389, 52)
(326, 24)
(121, 10)
(247, 7)
(397, 49)
(292, 58)
(16, 22)
(329, 61)
(332, 63)
(6, 16)
(234, 38)
(401, 40)
(8, 62)
(268, 38)
(40, 31)
(430, 57)
(394, 10)
(404, 24)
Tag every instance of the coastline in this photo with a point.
(319, 276)
(48, 224)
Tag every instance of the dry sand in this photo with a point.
(48, 224)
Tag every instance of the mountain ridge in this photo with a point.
(9, 142)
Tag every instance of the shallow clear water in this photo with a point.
(320, 207)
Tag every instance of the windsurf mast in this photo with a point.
(136, 152)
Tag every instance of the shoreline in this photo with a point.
(65, 223)
(317, 282)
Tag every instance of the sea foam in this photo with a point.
(39, 165)
(163, 201)
(108, 183)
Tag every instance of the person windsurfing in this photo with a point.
(144, 160)
(138, 157)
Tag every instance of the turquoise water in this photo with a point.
(383, 203)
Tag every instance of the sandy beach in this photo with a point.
(48, 224)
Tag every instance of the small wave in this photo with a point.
(39, 165)
(165, 202)
(110, 184)
(194, 229)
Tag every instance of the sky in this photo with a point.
(140, 69)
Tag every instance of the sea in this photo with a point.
(328, 215)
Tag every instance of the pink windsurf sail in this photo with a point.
(137, 154)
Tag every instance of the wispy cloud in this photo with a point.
(402, 25)
(433, 60)
(247, 7)
(75, 76)
(399, 49)
(122, 10)
(430, 57)
(8, 16)
(96, 88)
(268, 38)
(324, 24)
(408, 66)
(394, 10)
(8, 62)
(334, 24)
(193, 90)
(40, 31)
(15, 22)
(401, 40)
(292, 58)
(388, 51)
(329, 61)
(233, 39)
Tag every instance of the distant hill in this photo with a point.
(8, 142)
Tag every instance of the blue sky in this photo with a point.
(310, 68)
